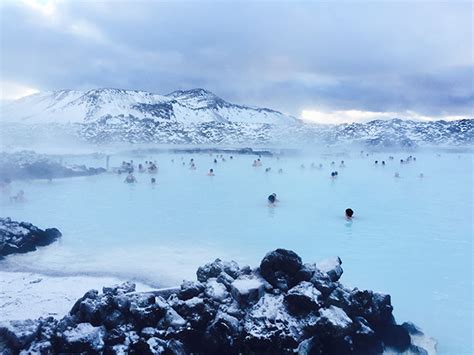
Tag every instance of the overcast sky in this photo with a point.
(326, 61)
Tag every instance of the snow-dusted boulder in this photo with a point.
(281, 308)
(303, 298)
(247, 290)
(280, 267)
(22, 237)
(331, 267)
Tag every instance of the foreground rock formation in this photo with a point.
(22, 237)
(282, 307)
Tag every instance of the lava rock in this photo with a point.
(22, 237)
(247, 290)
(212, 270)
(231, 310)
(332, 268)
(190, 289)
(280, 268)
(303, 298)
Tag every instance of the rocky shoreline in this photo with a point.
(23, 237)
(30, 165)
(281, 307)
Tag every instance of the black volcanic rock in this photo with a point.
(280, 268)
(204, 318)
(22, 237)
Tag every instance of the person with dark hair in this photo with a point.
(349, 213)
(272, 199)
(153, 180)
(130, 179)
(211, 172)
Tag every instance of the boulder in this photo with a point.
(335, 321)
(331, 267)
(283, 307)
(84, 337)
(125, 287)
(17, 334)
(247, 290)
(280, 267)
(212, 270)
(190, 289)
(303, 298)
(22, 237)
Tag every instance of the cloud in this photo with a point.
(291, 56)
(349, 116)
(13, 91)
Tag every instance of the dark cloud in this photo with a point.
(287, 55)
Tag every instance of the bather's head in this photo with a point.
(349, 213)
(272, 198)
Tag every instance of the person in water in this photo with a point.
(130, 179)
(211, 172)
(272, 199)
(153, 181)
(349, 213)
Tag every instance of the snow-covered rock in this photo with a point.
(203, 317)
(22, 237)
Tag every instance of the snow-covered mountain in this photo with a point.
(200, 117)
(186, 107)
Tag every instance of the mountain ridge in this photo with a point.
(198, 116)
(187, 106)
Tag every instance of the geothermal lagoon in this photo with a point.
(411, 235)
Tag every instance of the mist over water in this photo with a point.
(411, 237)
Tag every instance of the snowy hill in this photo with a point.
(200, 117)
(187, 107)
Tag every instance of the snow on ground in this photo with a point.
(29, 295)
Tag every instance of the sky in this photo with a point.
(330, 62)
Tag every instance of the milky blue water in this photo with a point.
(411, 237)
